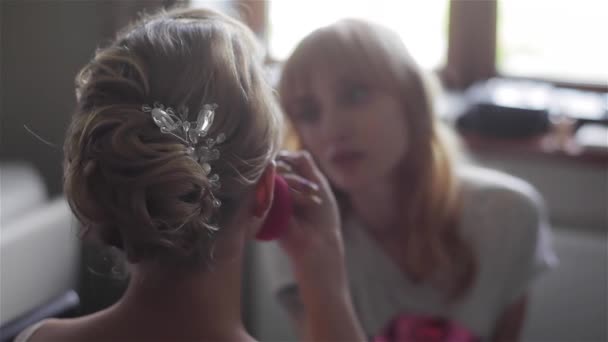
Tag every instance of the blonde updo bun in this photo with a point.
(134, 187)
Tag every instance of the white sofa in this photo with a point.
(39, 251)
(570, 303)
(21, 190)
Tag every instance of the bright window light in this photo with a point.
(554, 39)
(422, 24)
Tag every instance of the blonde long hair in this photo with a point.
(132, 186)
(435, 248)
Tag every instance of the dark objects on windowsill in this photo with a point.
(534, 118)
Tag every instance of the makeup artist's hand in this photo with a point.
(313, 242)
(313, 235)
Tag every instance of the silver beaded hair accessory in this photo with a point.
(193, 134)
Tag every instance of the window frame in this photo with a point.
(472, 43)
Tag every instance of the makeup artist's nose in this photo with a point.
(336, 124)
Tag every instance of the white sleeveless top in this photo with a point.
(504, 220)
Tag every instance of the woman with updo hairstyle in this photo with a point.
(170, 158)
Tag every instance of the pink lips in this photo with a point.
(345, 158)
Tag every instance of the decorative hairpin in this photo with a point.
(193, 135)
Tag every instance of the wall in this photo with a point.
(576, 193)
(43, 45)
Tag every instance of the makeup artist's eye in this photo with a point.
(354, 94)
(307, 112)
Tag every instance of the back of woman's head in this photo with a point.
(137, 188)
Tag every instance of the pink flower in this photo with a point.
(411, 328)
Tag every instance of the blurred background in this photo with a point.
(525, 84)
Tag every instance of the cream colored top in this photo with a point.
(505, 221)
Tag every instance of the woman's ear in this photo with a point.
(264, 191)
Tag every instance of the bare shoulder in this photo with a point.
(69, 329)
(47, 330)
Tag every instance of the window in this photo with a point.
(224, 6)
(561, 40)
(421, 24)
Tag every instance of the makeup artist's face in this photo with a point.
(355, 132)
